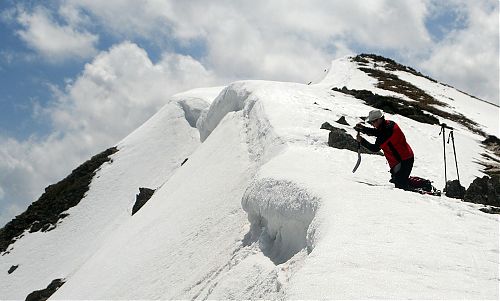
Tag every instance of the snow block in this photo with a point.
(280, 213)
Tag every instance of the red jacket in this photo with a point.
(391, 140)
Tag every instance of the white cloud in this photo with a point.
(468, 58)
(53, 41)
(295, 40)
(115, 94)
(280, 40)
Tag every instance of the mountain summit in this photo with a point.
(240, 196)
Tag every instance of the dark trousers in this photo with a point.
(400, 174)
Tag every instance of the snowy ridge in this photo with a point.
(107, 204)
(232, 98)
(264, 209)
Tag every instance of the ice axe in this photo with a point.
(359, 156)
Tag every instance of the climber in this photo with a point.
(393, 143)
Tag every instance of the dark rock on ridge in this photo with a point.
(141, 199)
(339, 138)
(12, 269)
(490, 163)
(485, 190)
(342, 121)
(454, 190)
(44, 294)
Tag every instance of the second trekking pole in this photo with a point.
(443, 126)
(454, 152)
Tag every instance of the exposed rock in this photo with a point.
(492, 143)
(326, 126)
(44, 294)
(326, 109)
(144, 195)
(491, 157)
(12, 269)
(45, 213)
(391, 82)
(342, 121)
(391, 105)
(485, 191)
(411, 109)
(491, 210)
(454, 190)
(389, 64)
(339, 138)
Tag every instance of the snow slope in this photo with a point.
(264, 209)
(146, 158)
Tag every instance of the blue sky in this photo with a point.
(60, 61)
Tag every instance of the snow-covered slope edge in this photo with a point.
(311, 229)
(146, 158)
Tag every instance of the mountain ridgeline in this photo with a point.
(264, 189)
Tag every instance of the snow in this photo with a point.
(264, 209)
(146, 158)
(483, 113)
(280, 213)
(345, 73)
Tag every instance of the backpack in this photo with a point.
(421, 183)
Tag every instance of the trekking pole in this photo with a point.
(454, 152)
(444, 152)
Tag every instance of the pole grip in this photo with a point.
(444, 125)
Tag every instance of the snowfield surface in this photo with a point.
(264, 209)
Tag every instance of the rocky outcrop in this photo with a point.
(44, 294)
(417, 110)
(47, 211)
(454, 190)
(391, 105)
(389, 64)
(141, 199)
(490, 160)
(342, 121)
(485, 190)
(339, 138)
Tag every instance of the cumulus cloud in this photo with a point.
(295, 40)
(118, 91)
(278, 40)
(468, 57)
(54, 41)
